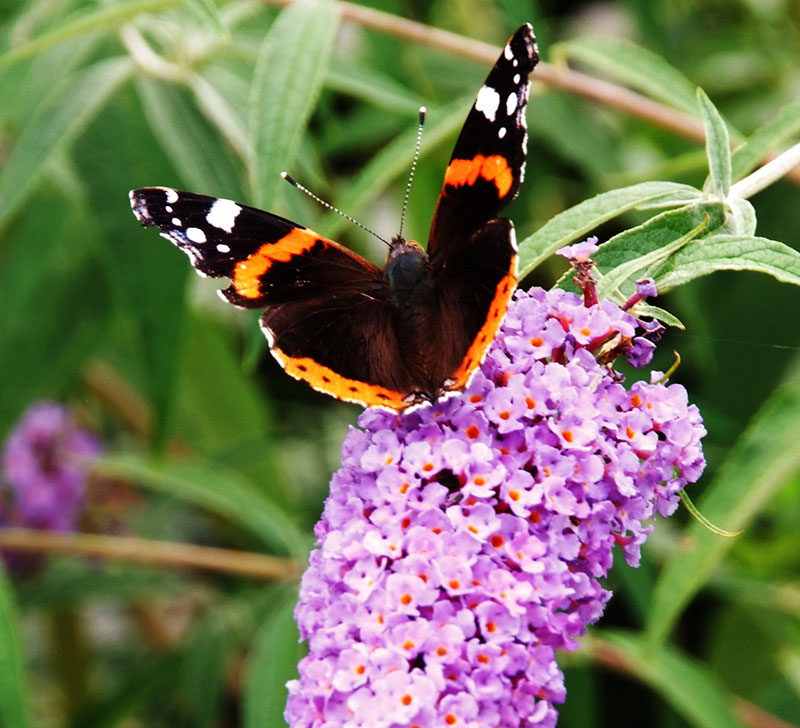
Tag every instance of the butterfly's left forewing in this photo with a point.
(327, 321)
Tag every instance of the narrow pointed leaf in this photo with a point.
(209, 12)
(576, 222)
(276, 652)
(659, 232)
(57, 123)
(13, 707)
(730, 252)
(196, 152)
(641, 266)
(287, 80)
(107, 18)
(365, 83)
(217, 489)
(636, 67)
(718, 147)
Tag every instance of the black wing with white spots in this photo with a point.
(488, 161)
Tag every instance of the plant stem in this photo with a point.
(154, 553)
(764, 176)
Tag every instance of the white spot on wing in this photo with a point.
(222, 248)
(223, 214)
(511, 103)
(196, 235)
(516, 78)
(167, 208)
(501, 132)
(487, 102)
(176, 221)
(508, 52)
(172, 195)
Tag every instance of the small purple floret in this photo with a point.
(464, 543)
(580, 252)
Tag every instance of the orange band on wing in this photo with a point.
(326, 380)
(486, 335)
(493, 169)
(248, 272)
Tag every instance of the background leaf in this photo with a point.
(13, 688)
(276, 652)
(763, 462)
(634, 66)
(288, 77)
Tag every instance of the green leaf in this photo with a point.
(659, 232)
(203, 671)
(576, 222)
(206, 10)
(656, 312)
(742, 218)
(13, 688)
(286, 83)
(216, 489)
(759, 465)
(215, 418)
(56, 301)
(147, 274)
(560, 122)
(196, 152)
(42, 77)
(373, 88)
(273, 661)
(688, 685)
(636, 67)
(58, 122)
(718, 147)
(611, 282)
(730, 252)
(221, 109)
(781, 127)
(106, 18)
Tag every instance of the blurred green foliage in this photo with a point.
(213, 444)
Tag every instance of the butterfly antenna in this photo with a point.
(422, 112)
(327, 205)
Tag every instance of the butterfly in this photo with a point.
(397, 337)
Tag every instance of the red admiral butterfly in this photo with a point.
(391, 338)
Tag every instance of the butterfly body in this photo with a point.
(396, 337)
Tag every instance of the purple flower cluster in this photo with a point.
(45, 469)
(462, 543)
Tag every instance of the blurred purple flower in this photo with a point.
(45, 469)
(462, 543)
